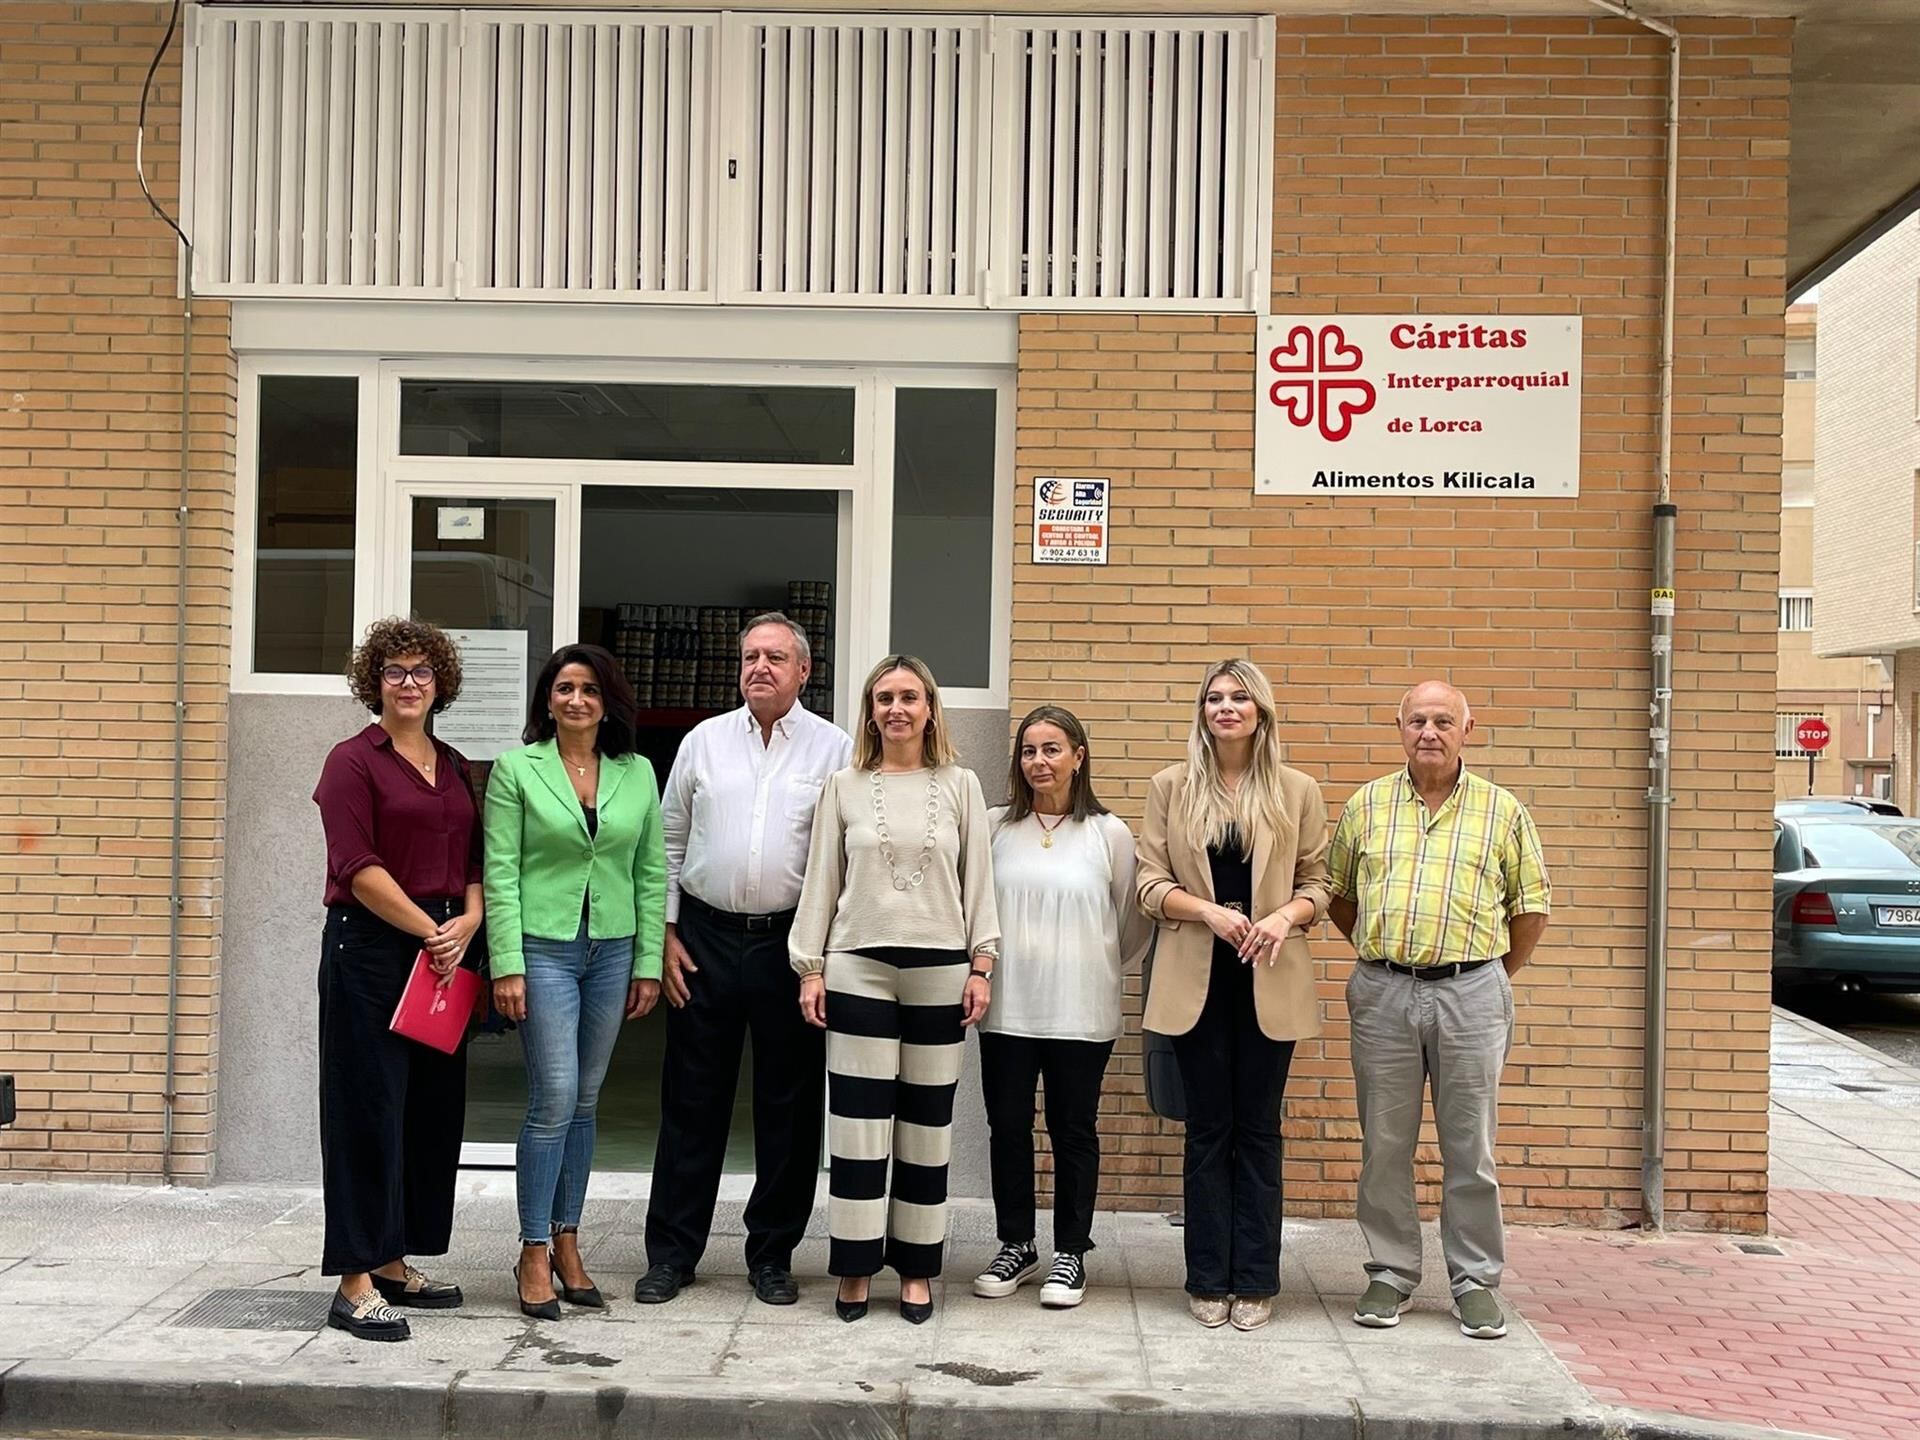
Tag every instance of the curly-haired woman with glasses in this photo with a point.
(403, 876)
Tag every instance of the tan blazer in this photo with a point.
(1290, 864)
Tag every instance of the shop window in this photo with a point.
(1796, 610)
(574, 420)
(943, 511)
(304, 530)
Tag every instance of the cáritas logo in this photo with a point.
(1316, 384)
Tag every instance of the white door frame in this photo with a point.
(860, 618)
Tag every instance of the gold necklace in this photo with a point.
(1046, 830)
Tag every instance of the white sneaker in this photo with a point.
(1007, 1272)
(1066, 1283)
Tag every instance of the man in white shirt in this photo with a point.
(738, 818)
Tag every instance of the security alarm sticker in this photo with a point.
(1436, 406)
(1070, 520)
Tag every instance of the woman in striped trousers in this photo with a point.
(895, 942)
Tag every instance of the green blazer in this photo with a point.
(542, 867)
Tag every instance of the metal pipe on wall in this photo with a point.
(1653, 1101)
(176, 890)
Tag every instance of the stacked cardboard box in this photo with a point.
(687, 657)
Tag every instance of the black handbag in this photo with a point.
(1166, 1096)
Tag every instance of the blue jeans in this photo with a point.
(576, 1002)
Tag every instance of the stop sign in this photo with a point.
(1812, 734)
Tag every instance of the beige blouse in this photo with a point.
(936, 895)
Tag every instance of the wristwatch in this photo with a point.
(986, 975)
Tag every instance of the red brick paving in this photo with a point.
(1823, 1339)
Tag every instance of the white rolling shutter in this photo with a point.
(1131, 164)
(322, 151)
(856, 159)
(587, 156)
(897, 160)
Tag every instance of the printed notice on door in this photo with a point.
(1441, 406)
(1070, 520)
(485, 722)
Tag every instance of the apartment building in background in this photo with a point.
(1851, 693)
(1866, 485)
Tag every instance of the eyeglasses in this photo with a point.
(421, 675)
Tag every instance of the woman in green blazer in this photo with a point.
(576, 891)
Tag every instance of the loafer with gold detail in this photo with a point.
(367, 1317)
(418, 1292)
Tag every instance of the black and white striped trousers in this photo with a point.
(893, 1063)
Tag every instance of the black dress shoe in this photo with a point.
(660, 1284)
(916, 1312)
(367, 1318)
(586, 1295)
(774, 1285)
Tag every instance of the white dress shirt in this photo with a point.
(738, 813)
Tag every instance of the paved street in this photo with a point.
(1889, 1023)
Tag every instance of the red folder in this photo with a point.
(432, 1015)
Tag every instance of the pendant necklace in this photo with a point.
(1046, 830)
(905, 882)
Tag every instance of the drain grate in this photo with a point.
(256, 1310)
(1758, 1247)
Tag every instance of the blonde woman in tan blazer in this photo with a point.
(1233, 868)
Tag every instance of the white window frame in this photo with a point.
(424, 474)
(367, 526)
(388, 482)
(994, 695)
(1788, 594)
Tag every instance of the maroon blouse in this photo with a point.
(378, 810)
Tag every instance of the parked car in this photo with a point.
(1834, 805)
(1846, 900)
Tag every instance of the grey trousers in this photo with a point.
(1453, 1036)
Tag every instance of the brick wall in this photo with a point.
(89, 374)
(1473, 164)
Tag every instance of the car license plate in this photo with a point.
(1897, 915)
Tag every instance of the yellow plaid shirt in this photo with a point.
(1433, 889)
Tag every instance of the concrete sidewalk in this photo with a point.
(94, 1312)
(101, 1289)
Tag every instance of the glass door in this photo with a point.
(484, 564)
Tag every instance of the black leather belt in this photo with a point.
(1435, 972)
(727, 919)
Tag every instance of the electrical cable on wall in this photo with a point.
(176, 895)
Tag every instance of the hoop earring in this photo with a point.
(872, 729)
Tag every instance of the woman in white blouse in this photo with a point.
(1064, 888)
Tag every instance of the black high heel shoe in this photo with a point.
(585, 1295)
(532, 1309)
(917, 1312)
(851, 1310)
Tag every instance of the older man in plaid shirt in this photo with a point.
(1439, 883)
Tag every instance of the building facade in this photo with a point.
(1866, 547)
(1849, 693)
(613, 417)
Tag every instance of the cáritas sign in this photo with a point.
(1469, 406)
